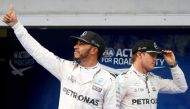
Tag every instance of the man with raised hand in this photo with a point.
(84, 85)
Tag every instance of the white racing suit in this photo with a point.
(81, 88)
(140, 91)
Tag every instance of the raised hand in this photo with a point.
(169, 57)
(10, 17)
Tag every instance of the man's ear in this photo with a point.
(94, 50)
(138, 54)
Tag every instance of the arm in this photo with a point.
(178, 84)
(111, 96)
(121, 84)
(45, 58)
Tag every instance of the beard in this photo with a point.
(75, 59)
(80, 56)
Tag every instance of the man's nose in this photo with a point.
(76, 46)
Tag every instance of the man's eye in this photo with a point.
(153, 54)
(82, 43)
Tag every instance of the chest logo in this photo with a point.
(72, 79)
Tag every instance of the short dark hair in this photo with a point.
(133, 58)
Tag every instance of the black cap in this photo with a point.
(146, 46)
(91, 38)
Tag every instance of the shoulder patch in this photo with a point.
(100, 81)
(102, 77)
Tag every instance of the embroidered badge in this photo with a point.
(100, 81)
(96, 88)
(71, 78)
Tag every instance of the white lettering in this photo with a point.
(122, 61)
(127, 52)
(119, 53)
(124, 53)
(160, 62)
(109, 52)
(107, 60)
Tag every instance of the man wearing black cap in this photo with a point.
(138, 87)
(84, 85)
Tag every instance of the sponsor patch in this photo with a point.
(96, 88)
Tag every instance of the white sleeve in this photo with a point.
(122, 87)
(176, 85)
(44, 57)
(110, 97)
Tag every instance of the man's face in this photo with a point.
(81, 50)
(149, 60)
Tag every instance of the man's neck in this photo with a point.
(140, 68)
(88, 63)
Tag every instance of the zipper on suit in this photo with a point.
(146, 82)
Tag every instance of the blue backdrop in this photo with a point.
(27, 85)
